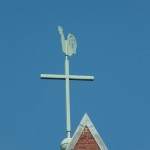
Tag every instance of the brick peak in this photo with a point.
(86, 122)
(86, 141)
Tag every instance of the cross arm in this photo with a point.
(63, 77)
(52, 76)
(79, 77)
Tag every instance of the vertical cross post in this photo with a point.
(68, 122)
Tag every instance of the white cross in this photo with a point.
(67, 77)
(69, 47)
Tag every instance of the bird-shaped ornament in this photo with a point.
(69, 46)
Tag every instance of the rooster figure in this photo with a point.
(69, 46)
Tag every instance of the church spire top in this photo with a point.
(69, 47)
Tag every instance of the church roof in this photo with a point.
(86, 137)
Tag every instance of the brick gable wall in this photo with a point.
(86, 141)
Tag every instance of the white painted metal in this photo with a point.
(67, 98)
(69, 46)
(63, 77)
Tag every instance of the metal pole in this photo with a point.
(67, 98)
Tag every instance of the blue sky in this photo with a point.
(113, 45)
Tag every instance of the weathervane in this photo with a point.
(69, 47)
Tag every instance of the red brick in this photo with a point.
(86, 141)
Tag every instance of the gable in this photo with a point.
(86, 141)
(86, 137)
